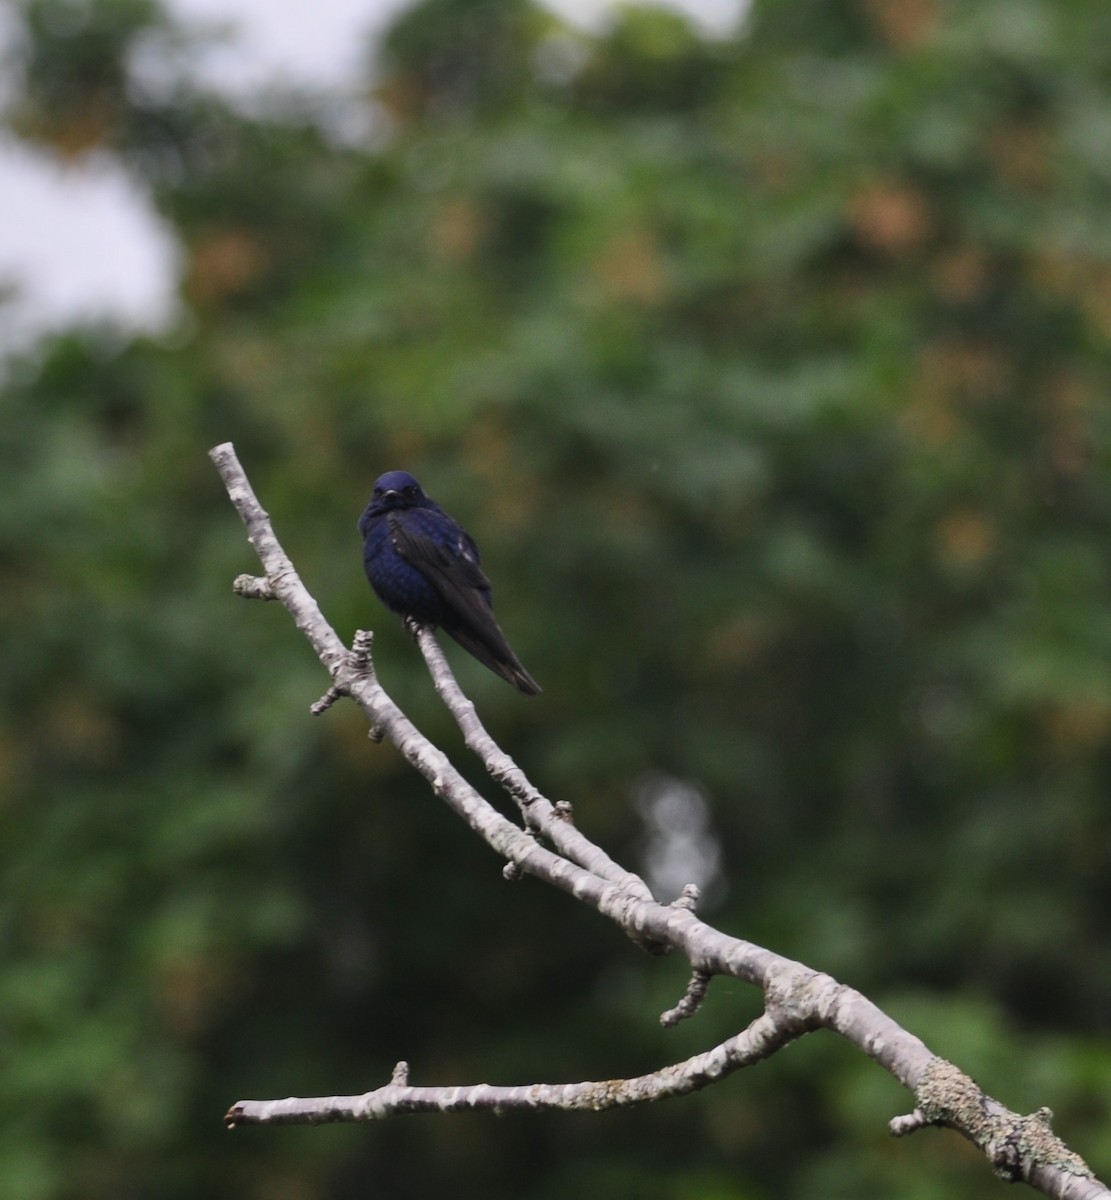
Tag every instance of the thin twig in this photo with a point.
(763, 1037)
(537, 809)
(691, 1001)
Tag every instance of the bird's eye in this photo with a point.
(410, 490)
(377, 491)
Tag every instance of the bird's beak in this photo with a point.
(390, 495)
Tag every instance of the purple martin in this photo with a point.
(425, 566)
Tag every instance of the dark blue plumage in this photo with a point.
(426, 567)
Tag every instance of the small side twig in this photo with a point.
(253, 587)
(688, 898)
(691, 1001)
(326, 701)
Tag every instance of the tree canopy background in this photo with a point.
(770, 373)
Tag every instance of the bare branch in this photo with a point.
(539, 812)
(763, 1037)
(1018, 1147)
(796, 998)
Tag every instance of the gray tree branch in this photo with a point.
(763, 1037)
(538, 812)
(797, 1000)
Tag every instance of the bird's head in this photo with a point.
(396, 489)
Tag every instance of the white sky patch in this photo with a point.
(714, 18)
(323, 45)
(83, 242)
(78, 243)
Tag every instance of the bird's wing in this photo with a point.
(448, 558)
(448, 561)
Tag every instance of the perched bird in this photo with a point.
(425, 566)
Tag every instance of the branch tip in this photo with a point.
(691, 1001)
(688, 898)
(253, 587)
(400, 1074)
(907, 1123)
(326, 701)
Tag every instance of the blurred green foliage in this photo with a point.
(770, 373)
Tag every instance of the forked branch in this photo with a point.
(547, 845)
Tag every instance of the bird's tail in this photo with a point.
(499, 658)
